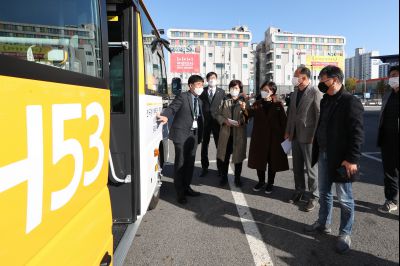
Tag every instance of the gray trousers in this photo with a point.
(302, 153)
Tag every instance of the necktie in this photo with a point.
(196, 108)
(211, 95)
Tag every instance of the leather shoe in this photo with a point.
(191, 193)
(182, 200)
(204, 172)
(223, 182)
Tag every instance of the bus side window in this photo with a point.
(116, 55)
(117, 81)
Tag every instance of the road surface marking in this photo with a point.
(366, 154)
(257, 246)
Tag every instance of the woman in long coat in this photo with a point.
(232, 136)
(267, 136)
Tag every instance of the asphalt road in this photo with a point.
(210, 231)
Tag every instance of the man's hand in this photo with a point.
(162, 119)
(351, 169)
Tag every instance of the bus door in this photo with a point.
(122, 181)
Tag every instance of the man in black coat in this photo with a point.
(337, 149)
(186, 133)
(211, 97)
(388, 141)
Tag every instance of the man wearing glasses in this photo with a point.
(337, 149)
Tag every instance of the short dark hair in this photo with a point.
(304, 71)
(271, 85)
(195, 78)
(235, 82)
(332, 72)
(394, 68)
(211, 74)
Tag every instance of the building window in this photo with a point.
(278, 56)
(244, 55)
(245, 66)
(278, 67)
(210, 55)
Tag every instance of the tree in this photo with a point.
(351, 84)
(381, 87)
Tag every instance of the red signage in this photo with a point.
(185, 63)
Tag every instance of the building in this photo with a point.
(362, 65)
(281, 52)
(226, 52)
(387, 62)
(384, 70)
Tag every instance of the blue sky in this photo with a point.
(371, 24)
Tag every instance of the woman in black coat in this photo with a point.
(267, 136)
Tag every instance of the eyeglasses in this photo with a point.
(324, 80)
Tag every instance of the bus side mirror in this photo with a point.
(176, 86)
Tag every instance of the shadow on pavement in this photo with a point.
(277, 231)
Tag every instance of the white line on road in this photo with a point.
(257, 246)
(372, 157)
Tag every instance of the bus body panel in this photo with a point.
(54, 143)
(151, 132)
(151, 136)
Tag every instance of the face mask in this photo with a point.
(198, 91)
(295, 81)
(234, 93)
(323, 87)
(265, 94)
(212, 83)
(394, 82)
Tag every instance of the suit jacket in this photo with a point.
(303, 119)
(345, 133)
(209, 108)
(181, 109)
(384, 102)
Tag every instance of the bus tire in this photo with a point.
(154, 200)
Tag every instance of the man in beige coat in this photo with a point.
(302, 122)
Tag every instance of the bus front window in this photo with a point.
(67, 37)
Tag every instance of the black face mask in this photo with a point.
(323, 87)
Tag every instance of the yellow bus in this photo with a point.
(81, 151)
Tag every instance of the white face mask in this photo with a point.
(265, 94)
(198, 91)
(394, 82)
(295, 81)
(234, 93)
(212, 83)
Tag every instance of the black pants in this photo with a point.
(225, 164)
(390, 161)
(210, 126)
(271, 176)
(185, 155)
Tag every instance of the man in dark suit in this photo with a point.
(337, 149)
(211, 97)
(186, 133)
(388, 141)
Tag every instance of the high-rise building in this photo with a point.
(226, 52)
(361, 66)
(384, 70)
(279, 55)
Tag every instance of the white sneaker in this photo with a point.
(388, 207)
